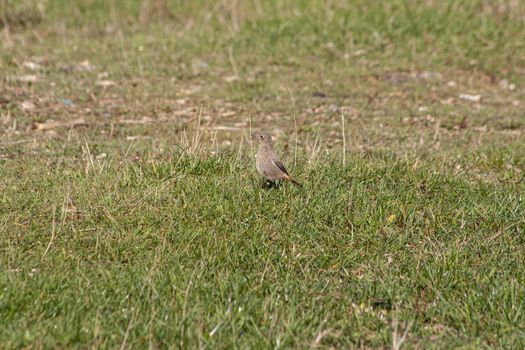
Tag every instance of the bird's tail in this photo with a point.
(295, 182)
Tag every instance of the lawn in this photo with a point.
(131, 214)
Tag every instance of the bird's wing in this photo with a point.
(280, 166)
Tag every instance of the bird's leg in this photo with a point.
(267, 184)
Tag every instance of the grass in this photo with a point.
(134, 249)
(149, 228)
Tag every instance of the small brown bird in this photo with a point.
(268, 163)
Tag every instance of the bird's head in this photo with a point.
(262, 138)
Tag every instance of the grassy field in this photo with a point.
(131, 215)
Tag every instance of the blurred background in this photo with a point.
(408, 74)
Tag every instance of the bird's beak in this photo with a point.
(253, 136)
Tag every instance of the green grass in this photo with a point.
(136, 249)
(149, 227)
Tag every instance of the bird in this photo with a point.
(267, 162)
